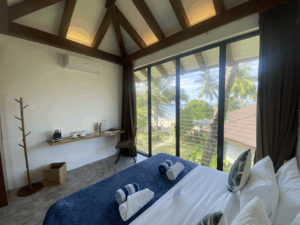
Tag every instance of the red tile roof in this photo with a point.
(240, 126)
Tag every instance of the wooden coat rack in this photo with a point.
(30, 189)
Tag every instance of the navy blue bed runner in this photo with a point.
(96, 204)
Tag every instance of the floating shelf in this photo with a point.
(69, 140)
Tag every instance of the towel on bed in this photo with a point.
(122, 193)
(134, 203)
(163, 168)
(175, 170)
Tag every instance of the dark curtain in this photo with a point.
(278, 83)
(129, 114)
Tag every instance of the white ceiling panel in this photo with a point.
(170, 68)
(232, 3)
(244, 49)
(86, 20)
(189, 62)
(198, 10)
(155, 73)
(211, 56)
(110, 42)
(164, 15)
(130, 45)
(140, 75)
(137, 21)
(47, 19)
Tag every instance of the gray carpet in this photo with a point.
(31, 210)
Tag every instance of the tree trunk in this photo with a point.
(209, 148)
(241, 99)
(156, 121)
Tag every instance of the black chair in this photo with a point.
(128, 145)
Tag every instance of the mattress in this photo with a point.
(204, 190)
(96, 204)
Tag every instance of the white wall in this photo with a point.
(234, 29)
(58, 98)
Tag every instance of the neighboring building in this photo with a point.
(239, 132)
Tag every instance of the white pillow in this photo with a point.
(297, 220)
(288, 178)
(263, 184)
(253, 213)
(239, 172)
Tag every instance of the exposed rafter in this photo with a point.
(241, 11)
(35, 35)
(219, 6)
(149, 18)
(66, 18)
(180, 13)
(137, 79)
(144, 72)
(109, 3)
(130, 30)
(182, 70)
(24, 8)
(200, 59)
(102, 30)
(115, 20)
(162, 70)
(3, 17)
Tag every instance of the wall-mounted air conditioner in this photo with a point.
(80, 64)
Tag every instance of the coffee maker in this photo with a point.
(57, 136)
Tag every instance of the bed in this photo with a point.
(96, 204)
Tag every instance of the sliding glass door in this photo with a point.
(199, 92)
(201, 105)
(163, 83)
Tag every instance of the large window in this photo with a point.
(201, 105)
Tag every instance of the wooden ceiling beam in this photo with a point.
(162, 70)
(241, 11)
(109, 3)
(117, 27)
(149, 18)
(31, 34)
(66, 18)
(137, 79)
(145, 73)
(180, 13)
(200, 59)
(24, 8)
(3, 17)
(130, 30)
(102, 30)
(219, 6)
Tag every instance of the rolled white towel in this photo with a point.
(175, 170)
(134, 203)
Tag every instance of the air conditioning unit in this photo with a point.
(80, 64)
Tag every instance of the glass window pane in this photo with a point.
(141, 84)
(242, 59)
(163, 108)
(199, 84)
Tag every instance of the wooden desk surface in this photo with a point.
(69, 140)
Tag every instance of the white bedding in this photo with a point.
(204, 191)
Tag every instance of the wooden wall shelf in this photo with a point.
(69, 140)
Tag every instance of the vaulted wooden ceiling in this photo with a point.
(121, 31)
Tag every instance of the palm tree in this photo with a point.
(243, 86)
(163, 92)
(209, 85)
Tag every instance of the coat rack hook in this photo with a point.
(17, 100)
(28, 134)
(21, 146)
(18, 118)
(25, 106)
(20, 128)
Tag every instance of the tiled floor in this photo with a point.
(31, 210)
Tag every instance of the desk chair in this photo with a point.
(128, 145)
